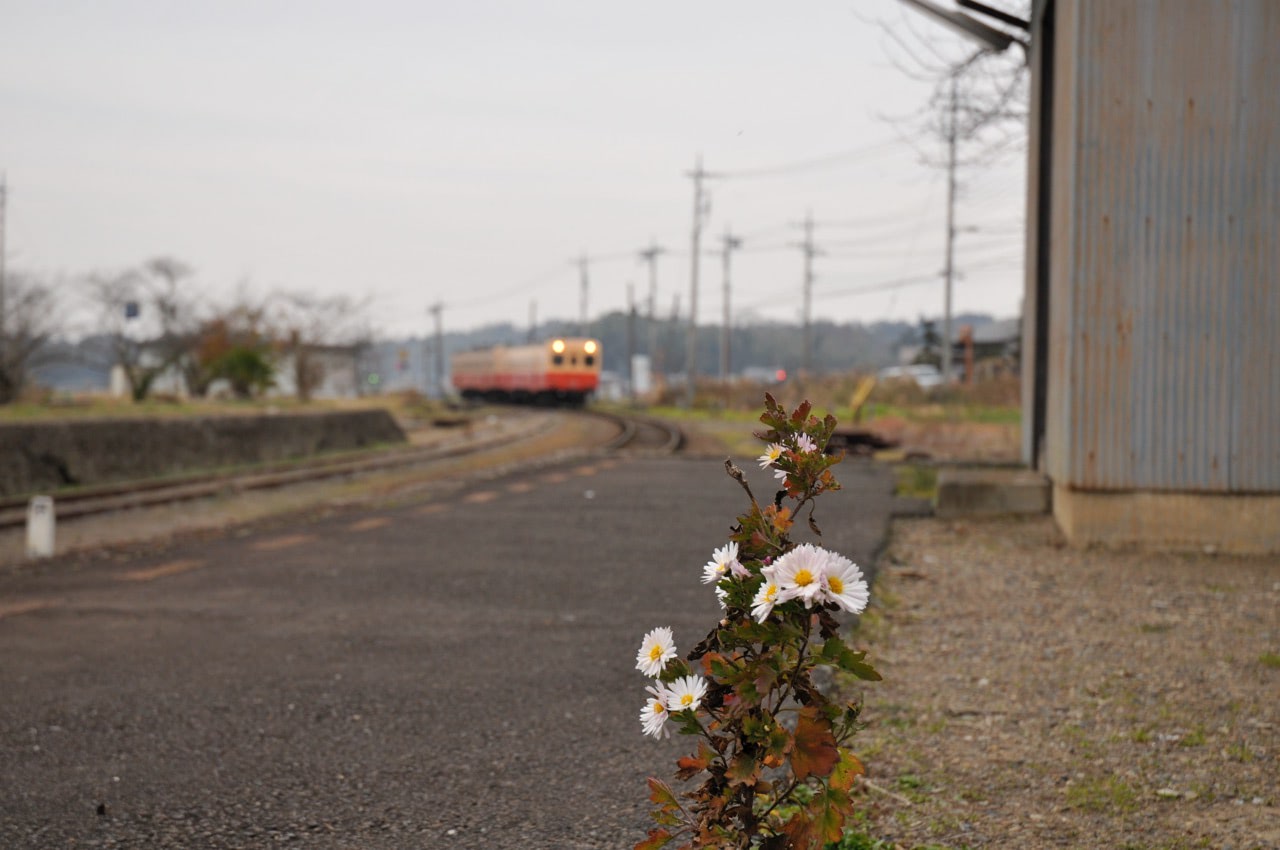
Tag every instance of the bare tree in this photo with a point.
(150, 319)
(29, 320)
(309, 324)
(979, 95)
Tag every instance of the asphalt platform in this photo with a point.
(445, 674)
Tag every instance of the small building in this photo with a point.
(1152, 306)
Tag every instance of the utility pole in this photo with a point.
(582, 301)
(435, 310)
(807, 247)
(631, 341)
(533, 320)
(728, 243)
(699, 211)
(650, 255)
(951, 229)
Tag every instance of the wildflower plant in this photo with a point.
(772, 749)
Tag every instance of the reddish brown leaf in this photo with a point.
(815, 752)
(799, 830)
(690, 766)
(657, 838)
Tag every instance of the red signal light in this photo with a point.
(781, 374)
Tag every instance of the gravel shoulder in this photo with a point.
(1039, 696)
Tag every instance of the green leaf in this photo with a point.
(835, 652)
(828, 814)
(830, 821)
(814, 752)
(688, 720)
(862, 671)
(661, 794)
(847, 770)
(743, 770)
(674, 669)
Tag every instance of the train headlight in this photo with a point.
(590, 347)
(558, 346)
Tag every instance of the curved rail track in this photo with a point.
(635, 434)
(642, 434)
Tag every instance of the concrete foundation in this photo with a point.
(990, 492)
(1229, 523)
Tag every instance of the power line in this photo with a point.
(883, 286)
(818, 162)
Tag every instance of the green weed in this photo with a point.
(1102, 794)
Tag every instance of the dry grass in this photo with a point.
(1038, 696)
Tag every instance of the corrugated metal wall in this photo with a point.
(1164, 344)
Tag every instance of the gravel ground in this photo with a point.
(1039, 696)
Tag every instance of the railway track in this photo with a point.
(642, 434)
(634, 434)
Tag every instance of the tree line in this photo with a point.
(155, 319)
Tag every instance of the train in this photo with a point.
(564, 370)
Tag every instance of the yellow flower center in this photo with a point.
(686, 699)
(803, 578)
(837, 586)
(655, 653)
(658, 707)
(771, 592)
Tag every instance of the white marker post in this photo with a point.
(40, 525)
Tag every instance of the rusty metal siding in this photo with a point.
(1164, 365)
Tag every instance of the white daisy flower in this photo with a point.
(722, 596)
(845, 585)
(771, 455)
(801, 573)
(658, 647)
(654, 714)
(723, 561)
(805, 443)
(766, 598)
(686, 693)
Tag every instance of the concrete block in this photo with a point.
(1231, 523)
(991, 491)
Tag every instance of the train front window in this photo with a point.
(589, 360)
(558, 360)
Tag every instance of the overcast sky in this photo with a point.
(469, 152)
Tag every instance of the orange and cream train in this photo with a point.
(564, 370)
